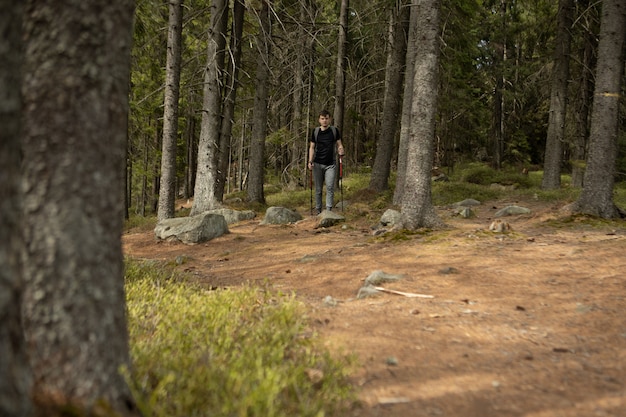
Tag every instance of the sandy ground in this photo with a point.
(525, 323)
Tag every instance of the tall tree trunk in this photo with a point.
(191, 154)
(417, 207)
(585, 86)
(15, 376)
(141, 205)
(340, 71)
(230, 93)
(167, 192)
(156, 166)
(77, 63)
(259, 122)
(558, 98)
(297, 127)
(207, 174)
(597, 195)
(407, 104)
(498, 97)
(393, 93)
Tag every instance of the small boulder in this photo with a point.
(468, 202)
(234, 216)
(512, 210)
(465, 212)
(380, 277)
(342, 205)
(329, 218)
(280, 215)
(391, 218)
(194, 229)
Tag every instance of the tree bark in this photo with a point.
(558, 98)
(76, 80)
(417, 207)
(589, 19)
(340, 71)
(259, 122)
(15, 375)
(297, 127)
(207, 175)
(230, 94)
(167, 192)
(407, 104)
(597, 195)
(498, 96)
(393, 96)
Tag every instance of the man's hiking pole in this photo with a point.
(341, 180)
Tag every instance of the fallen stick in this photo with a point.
(406, 294)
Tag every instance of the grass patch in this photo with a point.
(241, 352)
(445, 193)
(140, 223)
(584, 221)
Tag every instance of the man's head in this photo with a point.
(324, 118)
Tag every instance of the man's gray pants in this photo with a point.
(324, 174)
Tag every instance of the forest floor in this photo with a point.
(526, 323)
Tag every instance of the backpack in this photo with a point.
(317, 132)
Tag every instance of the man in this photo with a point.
(322, 145)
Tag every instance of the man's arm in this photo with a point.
(340, 147)
(311, 154)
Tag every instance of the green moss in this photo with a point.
(239, 352)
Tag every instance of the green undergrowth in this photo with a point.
(583, 221)
(472, 180)
(230, 352)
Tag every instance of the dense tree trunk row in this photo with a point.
(505, 82)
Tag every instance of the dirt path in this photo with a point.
(529, 323)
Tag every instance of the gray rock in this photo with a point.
(280, 215)
(512, 210)
(466, 213)
(449, 270)
(329, 218)
(391, 218)
(367, 291)
(469, 202)
(330, 301)
(194, 229)
(380, 277)
(342, 205)
(234, 216)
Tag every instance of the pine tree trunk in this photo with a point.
(393, 93)
(76, 79)
(558, 99)
(340, 71)
(259, 122)
(407, 104)
(207, 174)
(597, 195)
(15, 377)
(417, 207)
(297, 127)
(498, 96)
(167, 192)
(585, 88)
(230, 94)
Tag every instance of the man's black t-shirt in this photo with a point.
(325, 145)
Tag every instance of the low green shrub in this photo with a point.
(238, 352)
(444, 193)
(138, 222)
